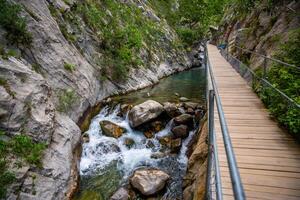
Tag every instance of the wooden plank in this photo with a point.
(268, 158)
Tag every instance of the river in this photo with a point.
(106, 163)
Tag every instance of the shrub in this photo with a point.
(286, 79)
(68, 66)
(66, 100)
(13, 23)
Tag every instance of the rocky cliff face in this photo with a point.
(194, 184)
(50, 83)
(263, 29)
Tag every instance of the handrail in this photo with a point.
(266, 82)
(237, 186)
(267, 57)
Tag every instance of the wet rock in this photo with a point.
(180, 131)
(183, 99)
(190, 111)
(165, 140)
(157, 126)
(158, 155)
(124, 108)
(186, 119)
(149, 181)
(176, 145)
(149, 134)
(85, 138)
(129, 142)
(111, 130)
(107, 147)
(144, 112)
(198, 115)
(171, 109)
(149, 144)
(192, 105)
(120, 194)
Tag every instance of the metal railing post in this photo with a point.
(210, 143)
(265, 67)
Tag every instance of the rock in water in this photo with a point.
(176, 145)
(144, 112)
(186, 119)
(149, 181)
(183, 99)
(171, 109)
(180, 131)
(111, 130)
(120, 194)
(129, 142)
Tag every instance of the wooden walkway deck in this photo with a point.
(268, 158)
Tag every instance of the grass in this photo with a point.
(67, 98)
(70, 67)
(22, 148)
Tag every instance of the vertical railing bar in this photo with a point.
(210, 142)
(219, 192)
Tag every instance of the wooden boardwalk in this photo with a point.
(268, 158)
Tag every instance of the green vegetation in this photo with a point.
(68, 66)
(21, 148)
(286, 79)
(66, 98)
(15, 25)
(123, 30)
(192, 18)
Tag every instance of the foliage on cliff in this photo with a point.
(286, 79)
(13, 23)
(191, 18)
(20, 148)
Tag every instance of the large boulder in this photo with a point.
(111, 130)
(149, 181)
(180, 131)
(144, 112)
(186, 119)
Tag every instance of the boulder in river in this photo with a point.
(183, 99)
(186, 119)
(171, 109)
(149, 181)
(149, 134)
(180, 131)
(144, 112)
(111, 129)
(120, 194)
(165, 140)
(176, 145)
(190, 105)
(129, 142)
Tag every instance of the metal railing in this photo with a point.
(253, 79)
(213, 181)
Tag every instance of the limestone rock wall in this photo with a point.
(262, 30)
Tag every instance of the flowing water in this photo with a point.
(106, 162)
